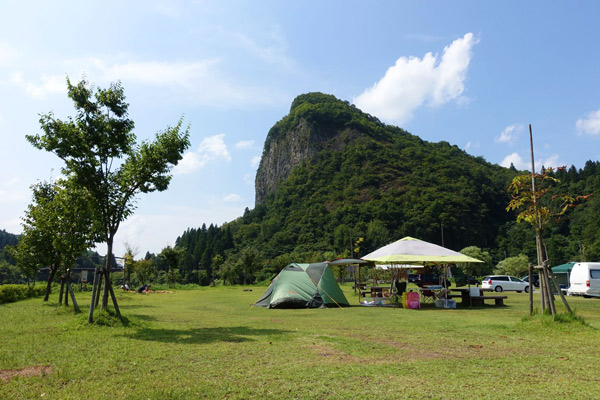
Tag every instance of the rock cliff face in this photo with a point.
(301, 143)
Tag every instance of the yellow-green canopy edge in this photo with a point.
(409, 250)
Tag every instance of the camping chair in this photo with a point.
(428, 296)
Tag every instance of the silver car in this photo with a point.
(500, 283)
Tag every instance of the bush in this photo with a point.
(12, 293)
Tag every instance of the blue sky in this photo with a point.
(472, 73)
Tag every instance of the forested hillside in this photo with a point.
(331, 174)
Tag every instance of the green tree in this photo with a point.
(515, 266)
(536, 205)
(57, 228)
(128, 262)
(101, 154)
(9, 273)
(476, 269)
(145, 271)
(172, 257)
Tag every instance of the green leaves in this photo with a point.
(101, 154)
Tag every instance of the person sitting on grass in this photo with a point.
(142, 288)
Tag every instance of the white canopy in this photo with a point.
(417, 252)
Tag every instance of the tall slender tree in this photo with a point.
(531, 198)
(101, 154)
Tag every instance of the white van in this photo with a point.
(585, 280)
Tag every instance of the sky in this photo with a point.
(472, 73)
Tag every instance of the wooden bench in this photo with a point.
(480, 300)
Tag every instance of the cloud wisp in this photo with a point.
(199, 81)
(524, 164)
(509, 134)
(589, 125)
(244, 144)
(413, 82)
(212, 149)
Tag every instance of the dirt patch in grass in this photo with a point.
(37, 370)
(440, 350)
(332, 354)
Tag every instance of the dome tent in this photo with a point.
(303, 286)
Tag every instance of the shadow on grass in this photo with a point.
(203, 335)
(134, 306)
(142, 317)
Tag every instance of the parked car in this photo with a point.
(427, 279)
(535, 279)
(585, 280)
(500, 283)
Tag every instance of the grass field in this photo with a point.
(208, 343)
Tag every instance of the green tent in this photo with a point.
(303, 286)
(563, 268)
(563, 274)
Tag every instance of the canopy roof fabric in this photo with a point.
(417, 252)
(563, 268)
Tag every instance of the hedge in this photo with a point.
(11, 293)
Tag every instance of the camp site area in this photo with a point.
(208, 343)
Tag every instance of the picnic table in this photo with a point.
(473, 296)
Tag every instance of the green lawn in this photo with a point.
(208, 343)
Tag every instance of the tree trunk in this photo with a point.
(49, 285)
(67, 286)
(107, 283)
(62, 290)
(107, 265)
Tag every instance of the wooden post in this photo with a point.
(93, 301)
(108, 283)
(100, 283)
(531, 287)
(75, 305)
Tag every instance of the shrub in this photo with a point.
(12, 293)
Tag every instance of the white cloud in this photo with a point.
(161, 73)
(232, 198)
(271, 52)
(468, 145)
(524, 164)
(50, 84)
(199, 81)
(255, 162)
(413, 82)
(212, 149)
(244, 144)
(509, 134)
(516, 160)
(589, 125)
(8, 54)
